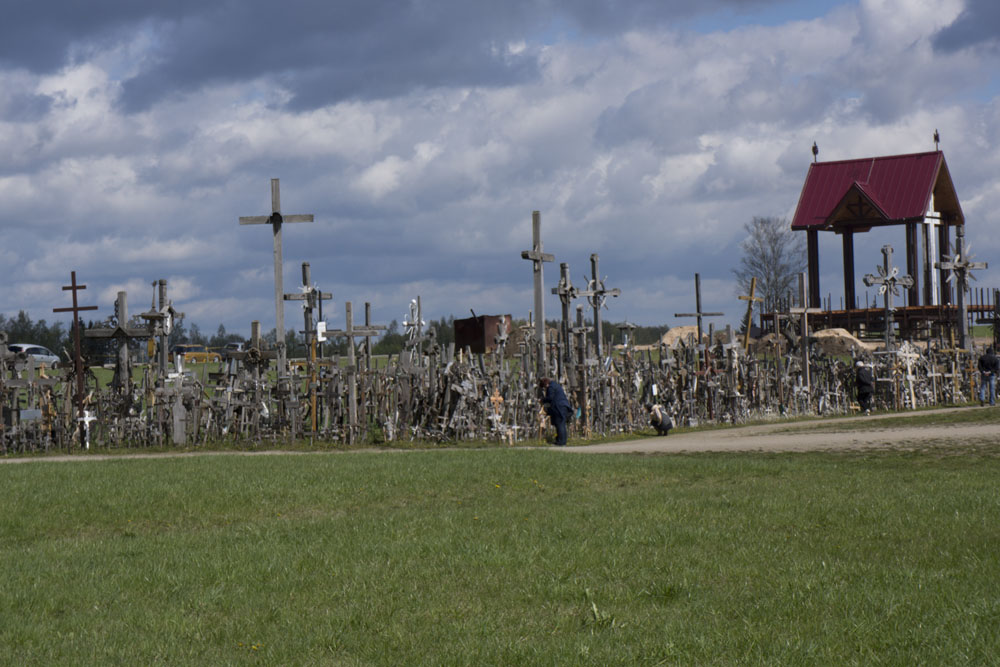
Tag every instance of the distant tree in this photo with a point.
(772, 253)
(391, 342)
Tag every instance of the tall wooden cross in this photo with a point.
(597, 295)
(351, 332)
(698, 313)
(312, 297)
(961, 265)
(77, 353)
(566, 293)
(803, 312)
(889, 282)
(750, 301)
(122, 332)
(276, 219)
(538, 258)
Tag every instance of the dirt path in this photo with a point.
(800, 436)
(810, 435)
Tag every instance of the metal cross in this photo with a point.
(597, 295)
(276, 219)
(961, 265)
(538, 258)
(889, 282)
(78, 355)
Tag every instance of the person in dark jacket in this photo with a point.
(556, 406)
(989, 367)
(659, 419)
(864, 381)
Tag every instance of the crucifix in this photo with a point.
(312, 297)
(750, 301)
(597, 295)
(276, 219)
(889, 282)
(77, 352)
(961, 265)
(538, 258)
(350, 332)
(699, 314)
(803, 311)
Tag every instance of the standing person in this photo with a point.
(989, 366)
(556, 406)
(864, 381)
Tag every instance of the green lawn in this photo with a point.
(503, 557)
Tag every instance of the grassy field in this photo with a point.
(503, 557)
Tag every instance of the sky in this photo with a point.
(421, 135)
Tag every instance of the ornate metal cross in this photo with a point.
(960, 266)
(889, 281)
(597, 295)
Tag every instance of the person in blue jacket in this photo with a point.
(556, 406)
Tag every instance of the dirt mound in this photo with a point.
(841, 341)
(681, 334)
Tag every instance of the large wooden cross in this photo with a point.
(698, 313)
(351, 332)
(889, 282)
(276, 219)
(77, 353)
(750, 301)
(803, 312)
(566, 293)
(122, 332)
(538, 258)
(313, 297)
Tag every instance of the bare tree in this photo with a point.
(775, 255)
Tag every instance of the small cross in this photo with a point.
(78, 355)
(276, 219)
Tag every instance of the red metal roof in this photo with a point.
(900, 186)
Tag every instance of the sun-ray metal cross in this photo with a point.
(889, 281)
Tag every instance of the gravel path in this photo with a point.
(800, 436)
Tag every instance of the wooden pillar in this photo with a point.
(928, 263)
(944, 249)
(812, 243)
(849, 298)
(913, 294)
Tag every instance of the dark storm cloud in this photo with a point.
(978, 23)
(323, 51)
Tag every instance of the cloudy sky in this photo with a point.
(422, 134)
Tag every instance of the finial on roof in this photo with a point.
(815, 151)
(937, 139)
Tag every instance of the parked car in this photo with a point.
(41, 355)
(194, 354)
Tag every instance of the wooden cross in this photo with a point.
(123, 333)
(566, 293)
(77, 352)
(276, 219)
(597, 295)
(750, 301)
(350, 332)
(312, 297)
(698, 314)
(961, 265)
(889, 282)
(803, 312)
(538, 258)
